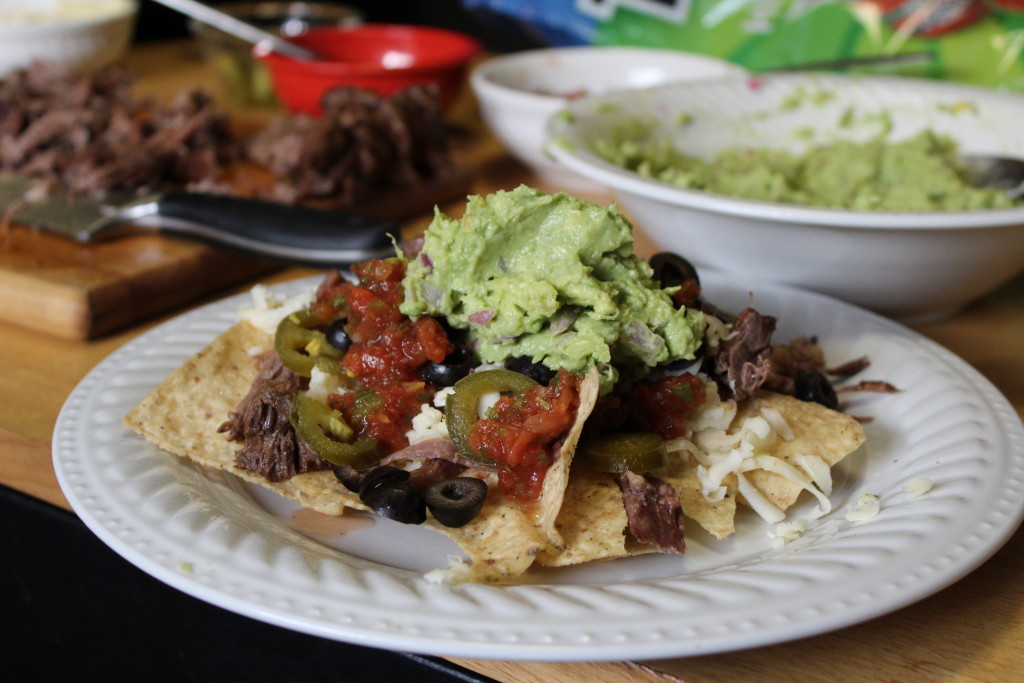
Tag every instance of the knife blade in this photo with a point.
(281, 232)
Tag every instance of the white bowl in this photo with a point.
(909, 265)
(519, 91)
(84, 35)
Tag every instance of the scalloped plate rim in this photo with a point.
(566, 638)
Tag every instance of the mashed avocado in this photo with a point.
(917, 174)
(550, 277)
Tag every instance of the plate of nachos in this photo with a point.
(515, 439)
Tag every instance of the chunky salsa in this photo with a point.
(669, 402)
(386, 354)
(521, 429)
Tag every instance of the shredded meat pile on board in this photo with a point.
(361, 141)
(90, 135)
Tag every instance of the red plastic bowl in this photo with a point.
(380, 57)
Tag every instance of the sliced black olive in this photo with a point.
(456, 502)
(672, 270)
(396, 499)
(349, 476)
(814, 387)
(456, 365)
(381, 476)
(538, 372)
(337, 336)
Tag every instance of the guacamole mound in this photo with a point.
(917, 174)
(552, 278)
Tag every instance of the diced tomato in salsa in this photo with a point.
(387, 354)
(384, 413)
(523, 431)
(669, 402)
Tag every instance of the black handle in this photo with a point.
(295, 234)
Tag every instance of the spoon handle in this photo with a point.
(237, 27)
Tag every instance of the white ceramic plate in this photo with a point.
(240, 548)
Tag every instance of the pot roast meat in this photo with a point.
(741, 363)
(88, 134)
(269, 444)
(797, 357)
(653, 511)
(361, 142)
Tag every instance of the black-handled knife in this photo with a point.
(282, 232)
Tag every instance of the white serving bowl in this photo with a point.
(519, 91)
(912, 266)
(84, 35)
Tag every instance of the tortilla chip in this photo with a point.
(817, 430)
(183, 413)
(718, 518)
(557, 478)
(592, 521)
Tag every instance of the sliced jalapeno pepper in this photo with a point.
(634, 451)
(299, 343)
(326, 432)
(332, 366)
(461, 407)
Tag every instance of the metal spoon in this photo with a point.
(1001, 173)
(238, 28)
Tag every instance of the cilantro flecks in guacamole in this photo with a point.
(550, 277)
(917, 174)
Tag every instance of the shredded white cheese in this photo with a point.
(458, 571)
(267, 311)
(427, 424)
(818, 470)
(715, 331)
(778, 423)
(487, 402)
(768, 511)
(721, 453)
(323, 383)
(915, 488)
(865, 508)
(786, 532)
(783, 468)
(441, 397)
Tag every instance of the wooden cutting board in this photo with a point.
(54, 285)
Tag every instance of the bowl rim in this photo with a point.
(469, 45)
(128, 12)
(568, 151)
(481, 77)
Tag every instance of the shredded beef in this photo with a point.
(802, 356)
(742, 362)
(269, 445)
(88, 134)
(361, 142)
(434, 470)
(870, 385)
(797, 357)
(850, 368)
(653, 510)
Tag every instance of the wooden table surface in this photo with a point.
(971, 631)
